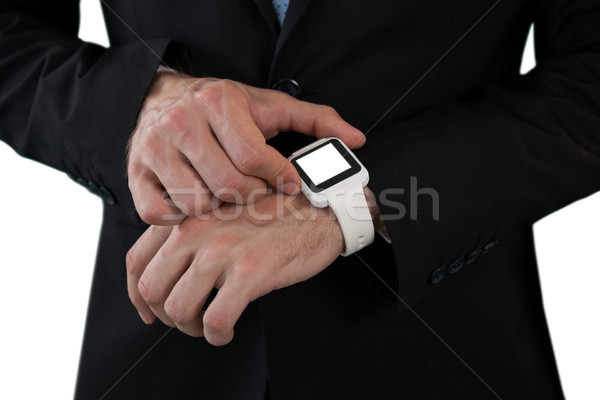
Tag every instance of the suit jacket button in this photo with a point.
(107, 196)
(288, 86)
(437, 275)
(456, 266)
(93, 188)
(474, 255)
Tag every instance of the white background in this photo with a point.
(48, 236)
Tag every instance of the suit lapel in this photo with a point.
(266, 9)
(293, 15)
(295, 11)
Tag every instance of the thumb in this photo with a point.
(331, 124)
(290, 114)
(278, 171)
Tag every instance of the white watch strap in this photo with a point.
(352, 212)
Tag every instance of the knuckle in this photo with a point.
(227, 87)
(210, 94)
(134, 167)
(244, 272)
(250, 162)
(147, 291)
(130, 263)
(329, 111)
(143, 205)
(150, 214)
(188, 139)
(328, 117)
(215, 322)
(143, 288)
(173, 119)
(175, 312)
(150, 142)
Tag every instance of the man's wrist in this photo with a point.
(309, 211)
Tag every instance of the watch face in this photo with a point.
(326, 165)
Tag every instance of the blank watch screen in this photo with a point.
(325, 165)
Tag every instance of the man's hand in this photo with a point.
(245, 252)
(204, 141)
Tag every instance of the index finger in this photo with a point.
(246, 147)
(287, 113)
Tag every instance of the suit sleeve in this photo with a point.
(497, 163)
(66, 103)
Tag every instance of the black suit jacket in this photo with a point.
(501, 149)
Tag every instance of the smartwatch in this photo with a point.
(332, 176)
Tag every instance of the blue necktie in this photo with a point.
(281, 7)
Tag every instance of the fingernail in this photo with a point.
(291, 188)
(146, 321)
